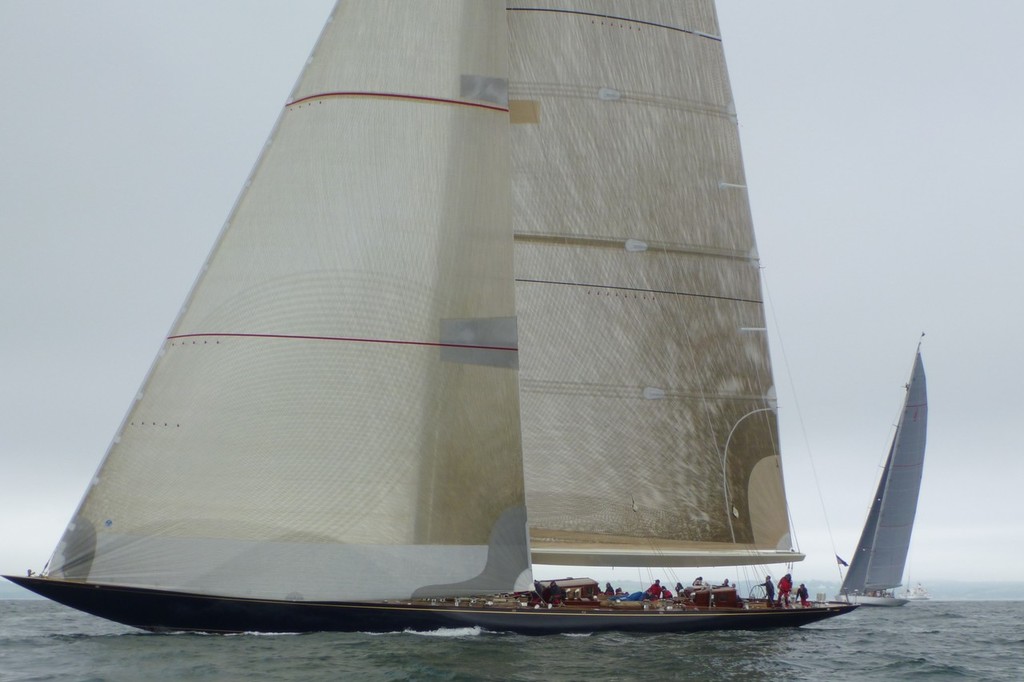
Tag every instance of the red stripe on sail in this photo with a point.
(352, 339)
(393, 95)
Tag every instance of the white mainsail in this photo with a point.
(647, 395)
(335, 413)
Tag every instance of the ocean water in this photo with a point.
(954, 640)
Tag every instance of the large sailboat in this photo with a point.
(490, 297)
(877, 566)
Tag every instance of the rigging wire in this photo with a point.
(800, 421)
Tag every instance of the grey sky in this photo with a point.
(883, 148)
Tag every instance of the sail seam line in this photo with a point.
(638, 289)
(618, 243)
(301, 337)
(699, 34)
(394, 95)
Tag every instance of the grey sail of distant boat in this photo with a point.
(490, 297)
(877, 565)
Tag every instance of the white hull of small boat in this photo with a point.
(865, 600)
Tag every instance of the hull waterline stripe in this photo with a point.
(352, 339)
(393, 95)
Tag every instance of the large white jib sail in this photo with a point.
(335, 413)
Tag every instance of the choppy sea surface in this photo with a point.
(954, 640)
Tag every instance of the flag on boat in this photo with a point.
(839, 559)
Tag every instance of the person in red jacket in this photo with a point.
(785, 587)
(654, 591)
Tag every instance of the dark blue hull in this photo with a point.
(176, 611)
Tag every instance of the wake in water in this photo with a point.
(441, 632)
(447, 632)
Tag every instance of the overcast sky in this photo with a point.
(884, 156)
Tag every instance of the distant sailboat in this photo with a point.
(917, 593)
(877, 565)
(490, 297)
